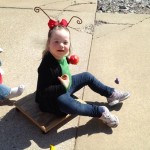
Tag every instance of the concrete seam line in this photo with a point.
(33, 8)
(84, 87)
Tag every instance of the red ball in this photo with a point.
(74, 59)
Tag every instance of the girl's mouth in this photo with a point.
(60, 50)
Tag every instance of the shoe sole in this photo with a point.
(115, 102)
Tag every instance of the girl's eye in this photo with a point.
(56, 42)
(66, 43)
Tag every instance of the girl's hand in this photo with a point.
(64, 79)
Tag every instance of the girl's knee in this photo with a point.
(89, 77)
(87, 74)
(62, 98)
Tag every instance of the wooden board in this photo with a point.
(45, 121)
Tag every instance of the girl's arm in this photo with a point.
(46, 84)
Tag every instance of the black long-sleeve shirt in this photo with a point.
(48, 86)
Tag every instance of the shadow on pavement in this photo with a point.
(116, 107)
(7, 102)
(17, 132)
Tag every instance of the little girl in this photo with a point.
(56, 85)
(7, 92)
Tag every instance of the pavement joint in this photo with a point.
(16, 8)
(91, 29)
(33, 8)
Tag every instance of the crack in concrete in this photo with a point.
(74, 4)
(136, 23)
(82, 3)
(84, 29)
(127, 24)
(101, 22)
(54, 2)
(89, 29)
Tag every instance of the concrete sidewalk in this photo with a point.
(119, 47)
(23, 36)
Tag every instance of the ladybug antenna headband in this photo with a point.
(53, 23)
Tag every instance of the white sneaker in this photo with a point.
(116, 97)
(16, 91)
(109, 119)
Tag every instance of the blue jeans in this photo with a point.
(69, 105)
(4, 91)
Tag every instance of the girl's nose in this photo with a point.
(61, 45)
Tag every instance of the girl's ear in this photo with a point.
(48, 43)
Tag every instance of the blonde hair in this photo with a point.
(49, 37)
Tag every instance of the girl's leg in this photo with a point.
(69, 105)
(4, 91)
(83, 79)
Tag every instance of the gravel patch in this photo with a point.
(124, 6)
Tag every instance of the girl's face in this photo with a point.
(59, 43)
